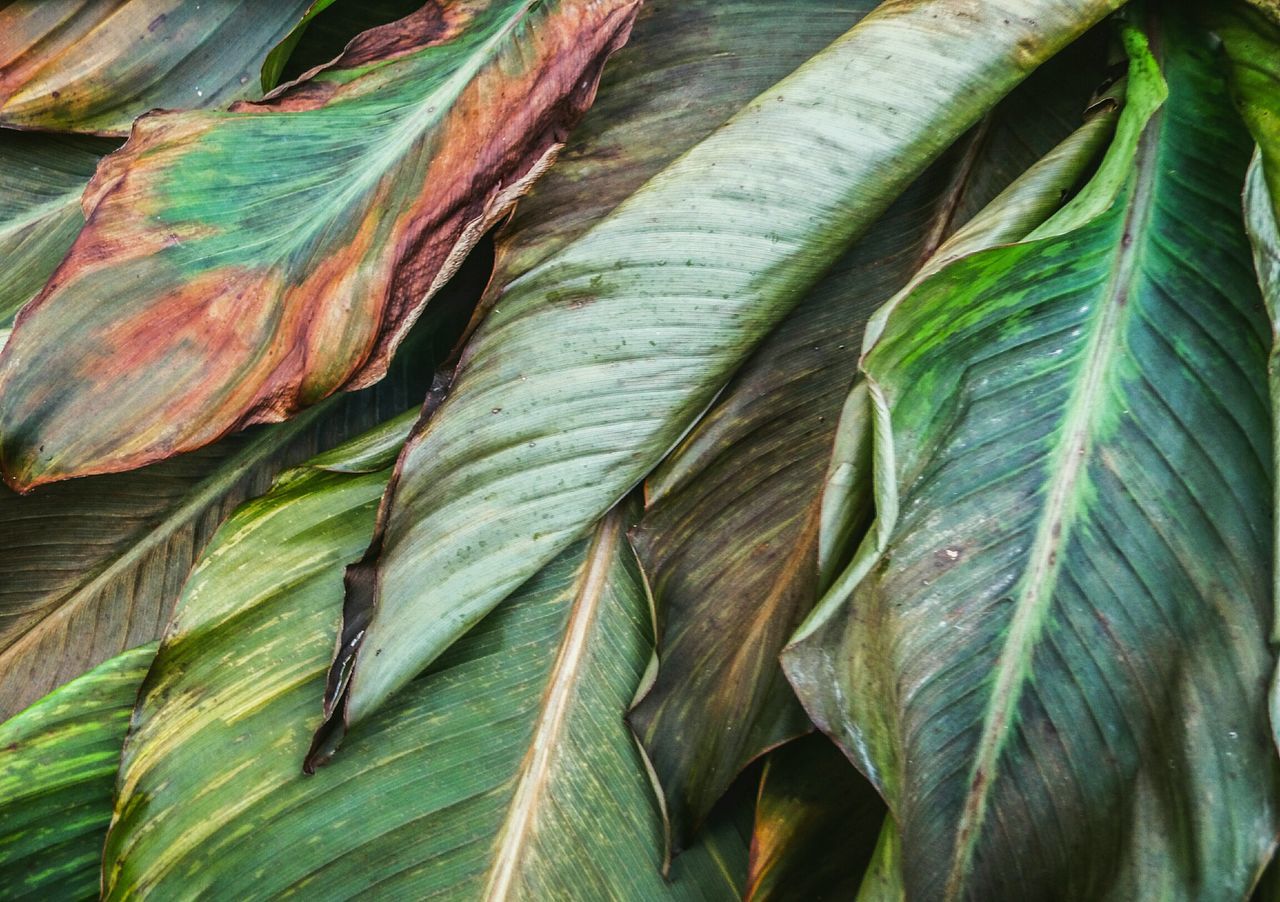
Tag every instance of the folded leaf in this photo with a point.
(1054, 662)
(94, 566)
(238, 267)
(730, 537)
(508, 773)
(88, 66)
(817, 822)
(1252, 44)
(592, 365)
(41, 179)
(58, 763)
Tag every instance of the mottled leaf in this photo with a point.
(817, 822)
(94, 566)
(238, 267)
(1054, 663)
(730, 538)
(92, 66)
(41, 179)
(506, 772)
(591, 366)
(58, 762)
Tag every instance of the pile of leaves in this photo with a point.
(699, 449)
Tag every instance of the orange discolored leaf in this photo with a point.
(239, 266)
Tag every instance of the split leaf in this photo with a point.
(507, 772)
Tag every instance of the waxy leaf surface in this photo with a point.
(507, 772)
(593, 364)
(237, 267)
(730, 538)
(58, 762)
(1054, 660)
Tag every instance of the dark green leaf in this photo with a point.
(1054, 660)
(592, 365)
(58, 762)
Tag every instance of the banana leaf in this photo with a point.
(506, 772)
(591, 366)
(41, 179)
(58, 762)
(731, 534)
(1050, 655)
(94, 566)
(93, 67)
(238, 267)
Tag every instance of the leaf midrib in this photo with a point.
(535, 769)
(1060, 510)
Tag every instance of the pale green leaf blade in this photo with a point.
(1056, 670)
(507, 772)
(41, 179)
(58, 762)
(591, 366)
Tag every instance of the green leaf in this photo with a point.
(817, 822)
(1252, 44)
(87, 66)
(730, 541)
(240, 266)
(325, 32)
(591, 366)
(1054, 663)
(41, 178)
(93, 566)
(58, 762)
(507, 770)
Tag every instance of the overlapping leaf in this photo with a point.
(94, 566)
(41, 179)
(817, 822)
(730, 540)
(1252, 45)
(58, 762)
(88, 66)
(507, 772)
(687, 68)
(1054, 661)
(592, 365)
(238, 267)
